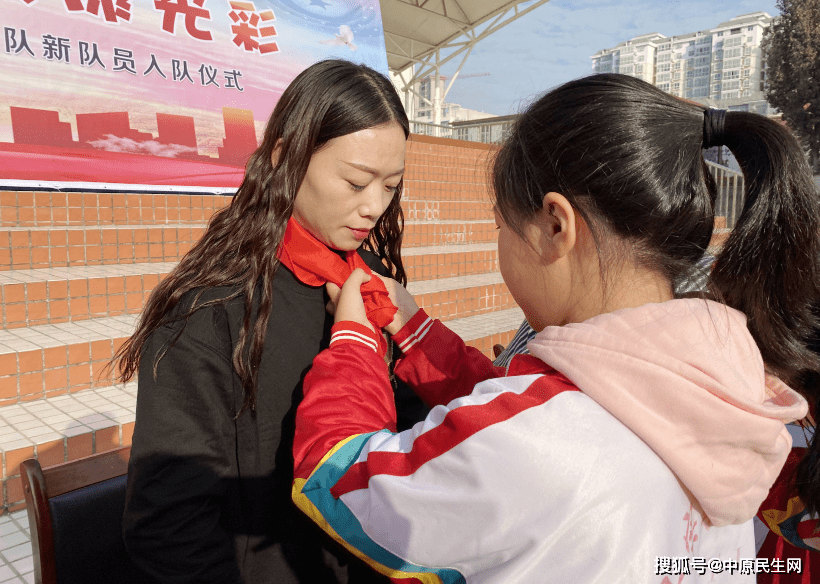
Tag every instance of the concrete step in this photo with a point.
(419, 210)
(47, 360)
(59, 209)
(429, 262)
(65, 427)
(23, 248)
(452, 298)
(34, 248)
(434, 232)
(446, 190)
(71, 294)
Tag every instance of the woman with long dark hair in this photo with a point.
(225, 340)
(638, 439)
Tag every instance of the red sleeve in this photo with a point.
(346, 392)
(437, 364)
(784, 513)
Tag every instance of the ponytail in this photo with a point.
(769, 268)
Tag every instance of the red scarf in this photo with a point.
(314, 264)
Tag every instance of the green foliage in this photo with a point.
(791, 47)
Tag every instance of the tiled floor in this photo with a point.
(16, 565)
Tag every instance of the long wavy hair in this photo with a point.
(239, 249)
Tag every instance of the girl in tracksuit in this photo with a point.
(638, 438)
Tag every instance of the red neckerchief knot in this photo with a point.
(314, 264)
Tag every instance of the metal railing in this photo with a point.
(426, 129)
(485, 131)
(731, 189)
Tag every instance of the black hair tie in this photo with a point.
(713, 127)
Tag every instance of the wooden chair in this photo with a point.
(75, 518)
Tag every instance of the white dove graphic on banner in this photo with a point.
(345, 37)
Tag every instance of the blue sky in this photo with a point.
(553, 43)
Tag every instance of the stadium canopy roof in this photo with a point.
(429, 33)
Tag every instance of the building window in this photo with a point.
(735, 31)
(751, 28)
(720, 34)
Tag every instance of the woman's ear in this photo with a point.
(557, 220)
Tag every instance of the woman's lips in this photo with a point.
(359, 233)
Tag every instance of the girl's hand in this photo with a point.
(403, 300)
(346, 303)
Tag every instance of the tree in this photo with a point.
(791, 47)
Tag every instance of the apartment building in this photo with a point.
(721, 67)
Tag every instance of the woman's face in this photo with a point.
(350, 181)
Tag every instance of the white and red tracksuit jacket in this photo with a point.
(621, 449)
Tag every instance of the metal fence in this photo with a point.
(731, 189)
(426, 129)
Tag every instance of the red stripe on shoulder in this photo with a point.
(458, 425)
(524, 364)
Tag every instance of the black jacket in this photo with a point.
(209, 493)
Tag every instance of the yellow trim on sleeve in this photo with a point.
(309, 509)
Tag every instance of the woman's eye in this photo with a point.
(392, 190)
(356, 187)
